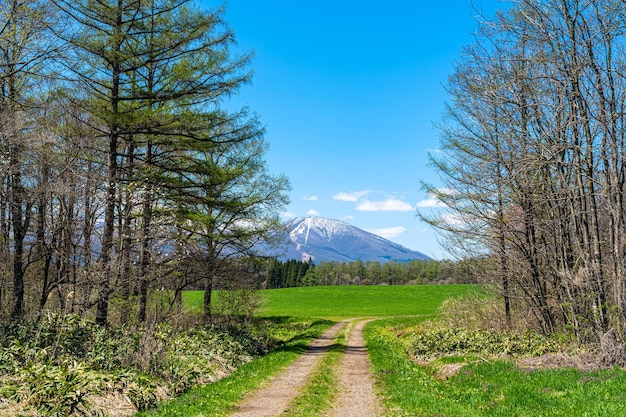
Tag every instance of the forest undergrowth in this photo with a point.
(62, 365)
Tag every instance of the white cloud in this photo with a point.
(453, 219)
(348, 217)
(288, 215)
(430, 202)
(390, 204)
(309, 198)
(388, 232)
(350, 197)
(313, 212)
(449, 191)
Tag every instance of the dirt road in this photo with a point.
(356, 393)
(356, 386)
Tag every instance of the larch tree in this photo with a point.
(232, 203)
(154, 76)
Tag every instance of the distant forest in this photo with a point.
(294, 273)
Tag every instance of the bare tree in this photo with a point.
(533, 158)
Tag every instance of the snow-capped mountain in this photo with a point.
(327, 240)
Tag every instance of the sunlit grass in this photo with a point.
(321, 390)
(486, 387)
(483, 387)
(349, 301)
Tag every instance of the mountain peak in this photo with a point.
(320, 239)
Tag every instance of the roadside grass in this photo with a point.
(300, 305)
(321, 390)
(338, 302)
(221, 397)
(482, 387)
(485, 387)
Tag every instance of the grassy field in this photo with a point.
(485, 386)
(349, 301)
(295, 305)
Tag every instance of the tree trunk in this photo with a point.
(111, 189)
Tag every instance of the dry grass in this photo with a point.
(113, 404)
(448, 370)
(582, 362)
(612, 350)
(485, 311)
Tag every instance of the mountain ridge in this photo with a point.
(320, 239)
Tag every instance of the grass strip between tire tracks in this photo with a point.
(321, 389)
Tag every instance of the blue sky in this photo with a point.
(348, 92)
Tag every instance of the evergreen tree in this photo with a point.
(154, 75)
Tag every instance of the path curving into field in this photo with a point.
(356, 393)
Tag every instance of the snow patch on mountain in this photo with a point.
(320, 239)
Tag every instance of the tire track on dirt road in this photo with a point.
(282, 389)
(357, 394)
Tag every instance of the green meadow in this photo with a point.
(484, 386)
(348, 301)
(305, 305)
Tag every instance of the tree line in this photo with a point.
(532, 162)
(122, 168)
(294, 273)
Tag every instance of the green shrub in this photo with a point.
(441, 341)
(56, 390)
(53, 365)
